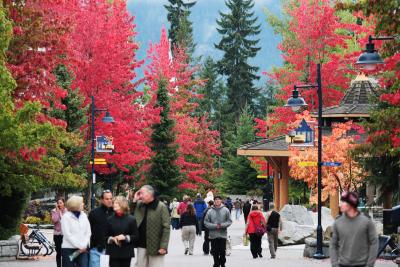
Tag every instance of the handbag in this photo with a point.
(246, 240)
(260, 230)
(104, 260)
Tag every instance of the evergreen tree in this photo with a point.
(214, 94)
(238, 28)
(164, 172)
(239, 175)
(74, 115)
(181, 30)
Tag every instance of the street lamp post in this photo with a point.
(296, 102)
(107, 119)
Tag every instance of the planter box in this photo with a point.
(9, 249)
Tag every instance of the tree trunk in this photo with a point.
(387, 197)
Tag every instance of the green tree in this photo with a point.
(181, 30)
(74, 115)
(239, 176)
(237, 28)
(214, 94)
(164, 172)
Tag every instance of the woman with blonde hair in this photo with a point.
(121, 234)
(76, 231)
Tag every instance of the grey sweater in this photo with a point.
(217, 216)
(354, 241)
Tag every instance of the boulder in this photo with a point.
(297, 214)
(327, 219)
(294, 233)
(311, 247)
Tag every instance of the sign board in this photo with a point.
(262, 176)
(331, 164)
(99, 161)
(307, 163)
(104, 144)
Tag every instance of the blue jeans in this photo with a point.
(81, 261)
(238, 213)
(95, 257)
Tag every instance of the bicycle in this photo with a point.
(32, 244)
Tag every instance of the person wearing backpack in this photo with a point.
(274, 225)
(256, 228)
(206, 243)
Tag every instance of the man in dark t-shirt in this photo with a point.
(274, 226)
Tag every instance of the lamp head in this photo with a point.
(107, 118)
(296, 102)
(369, 58)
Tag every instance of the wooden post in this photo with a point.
(276, 190)
(334, 203)
(284, 183)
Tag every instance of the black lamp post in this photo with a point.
(107, 119)
(370, 57)
(296, 102)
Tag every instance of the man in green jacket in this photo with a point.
(153, 222)
(354, 239)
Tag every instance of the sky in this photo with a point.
(151, 16)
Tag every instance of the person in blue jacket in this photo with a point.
(200, 206)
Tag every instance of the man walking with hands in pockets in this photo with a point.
(217, 221)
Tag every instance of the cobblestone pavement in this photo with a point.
(240, 257)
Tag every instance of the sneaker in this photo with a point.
(186, 251)
(260, 255)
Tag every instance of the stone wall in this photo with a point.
(9, 249)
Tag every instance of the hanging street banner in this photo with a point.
(104, 144)
(307, 164)
(331, 164)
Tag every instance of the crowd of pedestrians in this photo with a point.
(109, 235)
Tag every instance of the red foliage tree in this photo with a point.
(102, 56)
(197, 144)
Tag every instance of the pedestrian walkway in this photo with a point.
(240, 257)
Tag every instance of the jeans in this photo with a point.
(57, 243)
(206, 243)
(255, 245)
(175, 223)
(95, 257)
(81, 261)
(273, 241)
(218, 248)
(238, 212)
(200, 225)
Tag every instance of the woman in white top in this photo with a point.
(75, 227)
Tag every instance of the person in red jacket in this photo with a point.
(182, 206)
(256, 228)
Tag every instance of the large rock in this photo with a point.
(311, 247)
(327, 219)
(297, 214)
(294, 233)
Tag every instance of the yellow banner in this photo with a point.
(307, 164)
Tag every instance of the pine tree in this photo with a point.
(164, 172)
(74, 115)
(213, 94)
(239, 175)
(181, 30)
(238, 28)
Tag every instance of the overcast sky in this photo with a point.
(151, 16)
